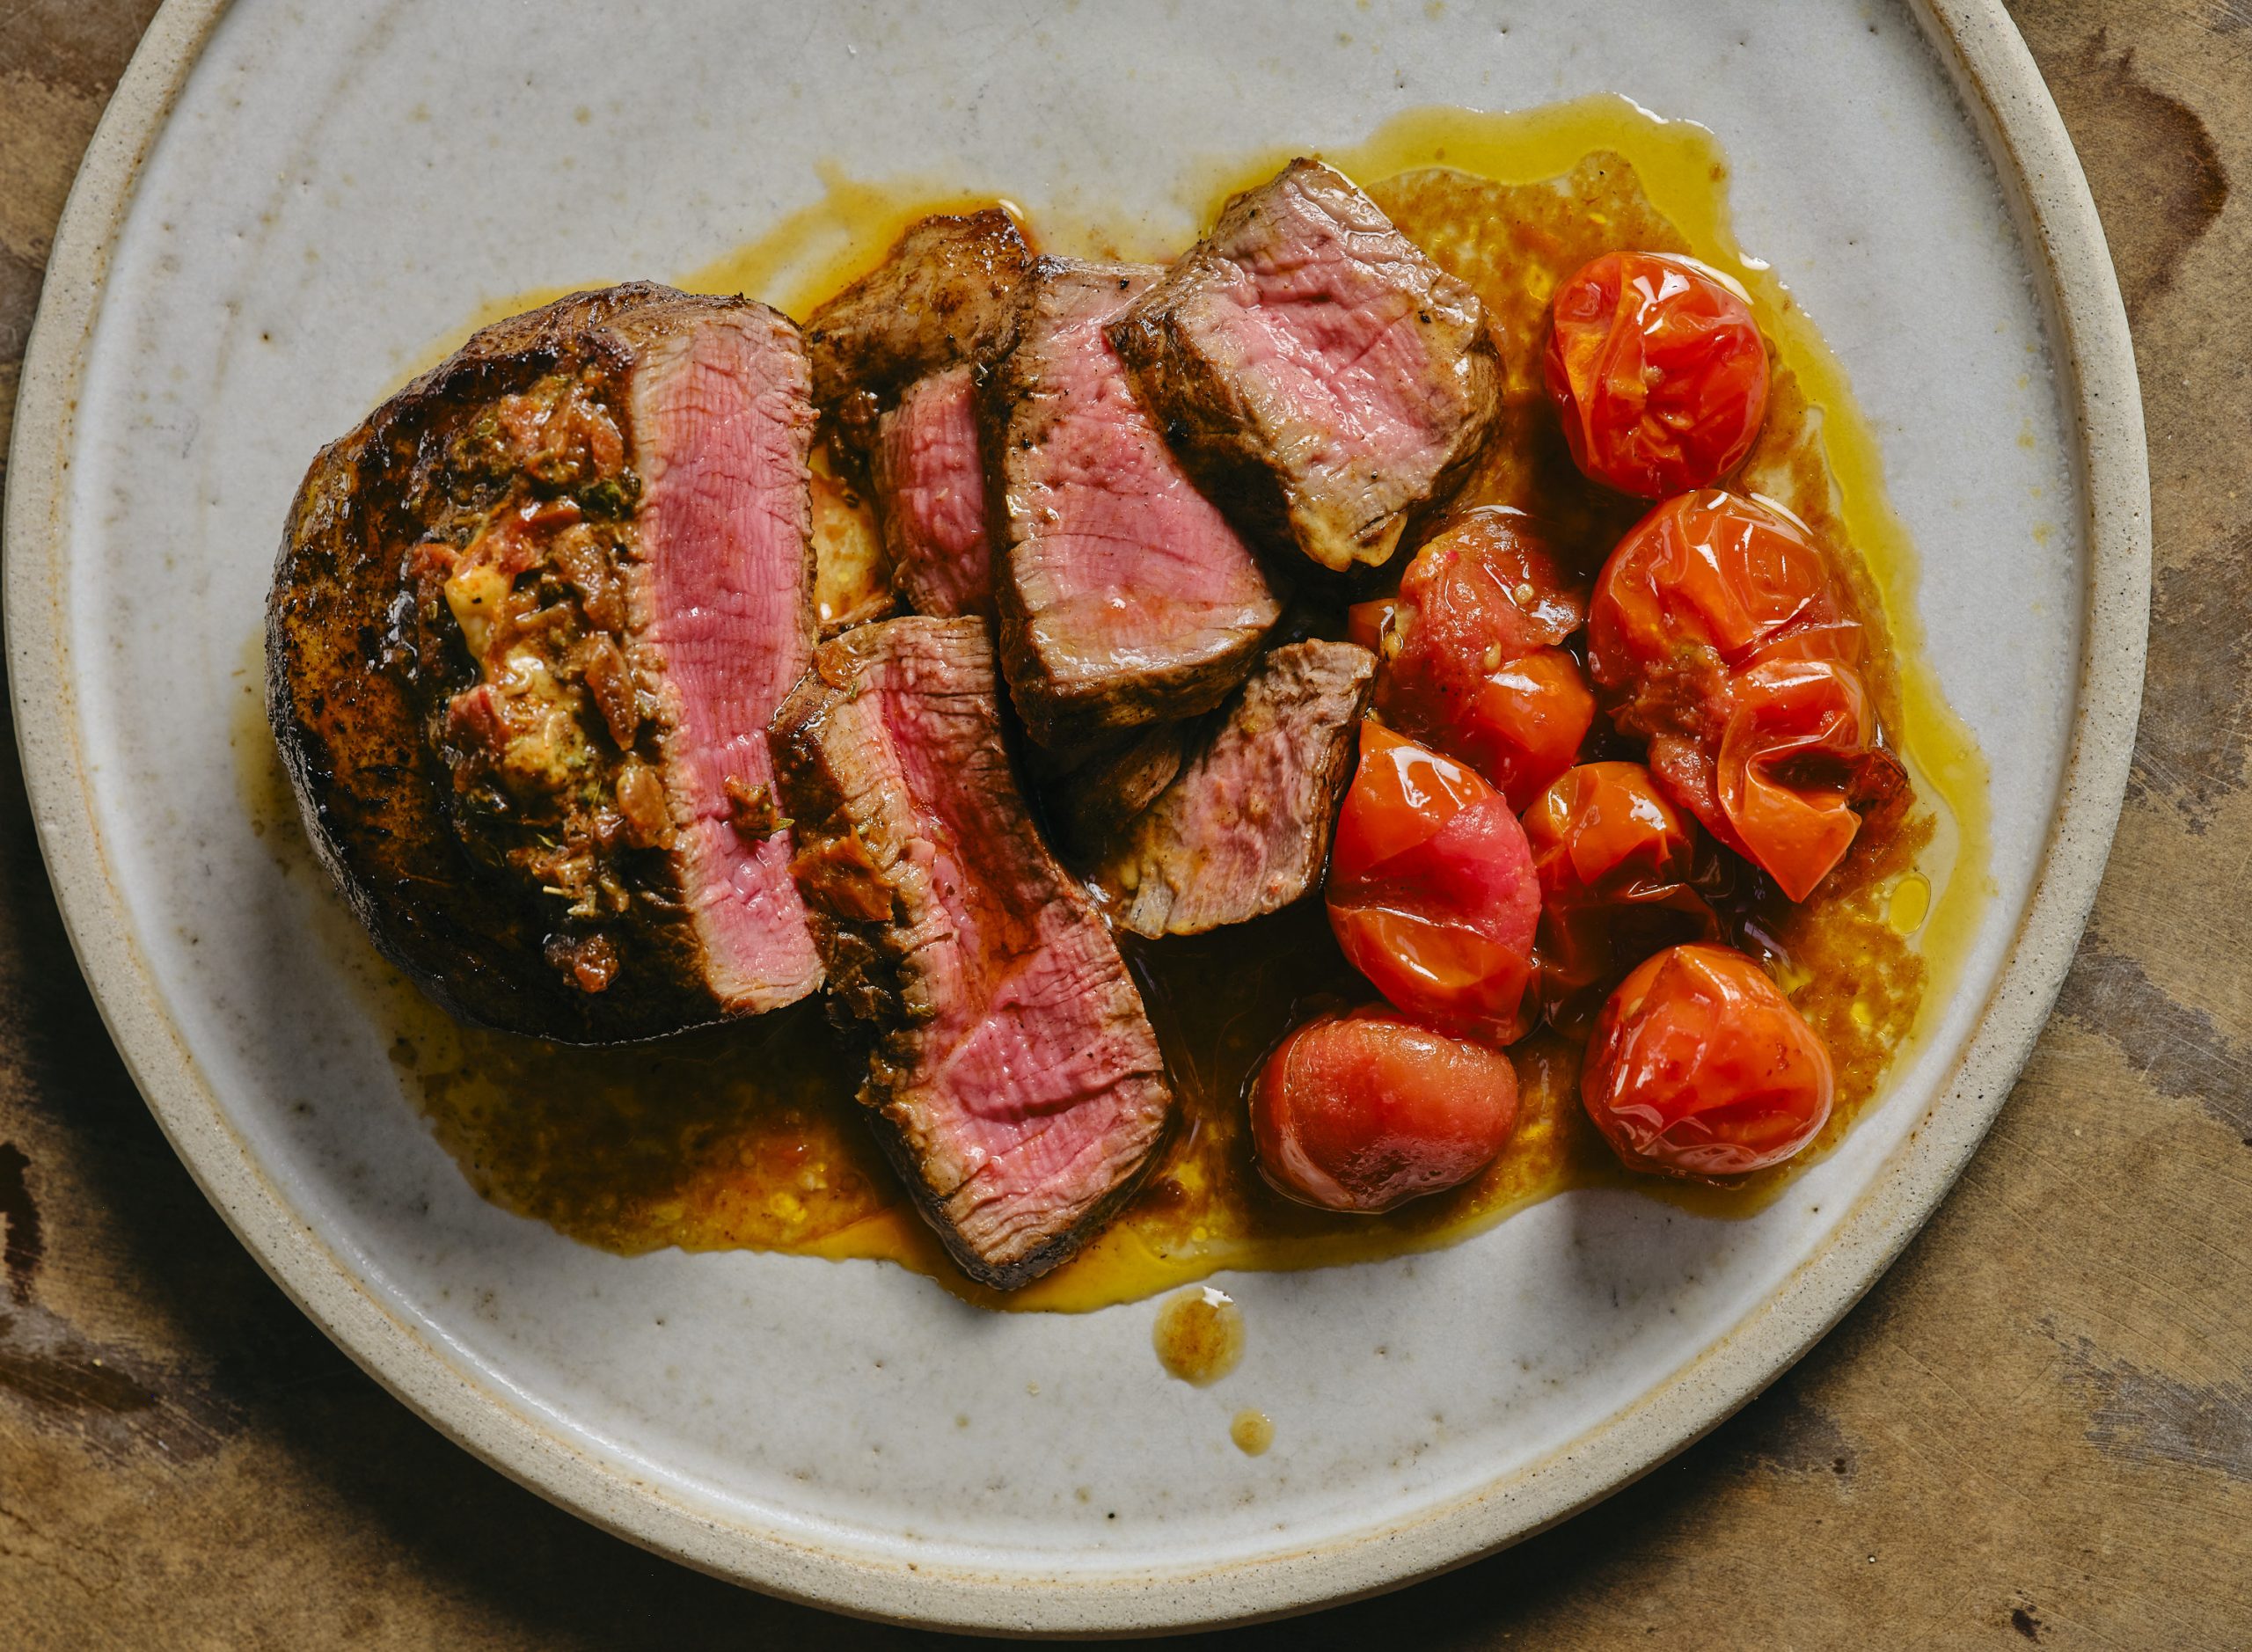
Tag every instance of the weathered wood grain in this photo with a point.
(2037, 1429)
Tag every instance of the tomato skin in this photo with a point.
(1431, 891)
(1658, 370)
(1615, 861)
(1366, 1111)
(1699, 1067)
(1471, 664)
(1716, 633)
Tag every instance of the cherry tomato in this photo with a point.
(1658, 370)
(1431, 890)
(1699, 1067)
(1716, 634)
(1366, 1111)
(1615, 859)
(1470, 663)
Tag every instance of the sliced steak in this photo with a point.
(930, 486)
(1014, 1078)
(1320, 375)
(1244, 828)
(527, 627)
(941, 298)
(1124, 596)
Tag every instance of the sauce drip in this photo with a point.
(747, 1136)
(1199, 1335)
(1253, 1432)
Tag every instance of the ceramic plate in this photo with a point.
(287, 207)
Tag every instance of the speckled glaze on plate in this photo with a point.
(285, 206)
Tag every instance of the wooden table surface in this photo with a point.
(2038, 1427)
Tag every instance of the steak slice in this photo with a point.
(1014, 1079)
(1124, 596)
(941, 298)
(1319, 373)
(526, 630)
(930, 486)
(1245, 829)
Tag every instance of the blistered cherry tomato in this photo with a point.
(1699, 1067)
(1431, 891)
(1716, 633)
(1658, 370)
(1366, 1111)
(1469, 661)
(1615, 859)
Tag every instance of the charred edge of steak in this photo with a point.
(1216, 432)
(1098, 798)
(457, 700)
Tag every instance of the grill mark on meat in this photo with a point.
(1013, 1076)
(1315, 369)
(379, 695)
(1124, 597)
(1245, 829)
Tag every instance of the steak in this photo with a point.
(526, 630)
(1244, 828)
(1317, 372)
(930, 486)
(941, 298)
(1013, 1076)
(891, 364)
(1124, 597)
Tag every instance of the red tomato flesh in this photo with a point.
(1657, 371)
(1367, 1111)
(1699, 1067)
(1431, 891)
(1470, 661)
(1615, 859)
(1716, 634)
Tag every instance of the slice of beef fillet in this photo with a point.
(526, 630)
(930, 487)
(1124, 597)
(1014, 1079)
(1319, 374)
(940, 299)
(1244, 828)
(891, 357)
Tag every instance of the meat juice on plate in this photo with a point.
(747, 1136)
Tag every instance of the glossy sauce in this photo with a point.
(747, 1136)
(1199, 1335)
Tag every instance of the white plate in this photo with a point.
(285, 207)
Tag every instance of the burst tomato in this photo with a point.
(1615, 859)
(1716, 633)
(1366, 1111)
(1431, 890)
(1658, 370)
(1699, 1067)
(1470, 664)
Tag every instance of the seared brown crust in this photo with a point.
(350, 683)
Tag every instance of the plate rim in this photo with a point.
(1994, 77)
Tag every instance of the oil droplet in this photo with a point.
(1199, 1335)
(1253, 1432)
(1912, 901)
